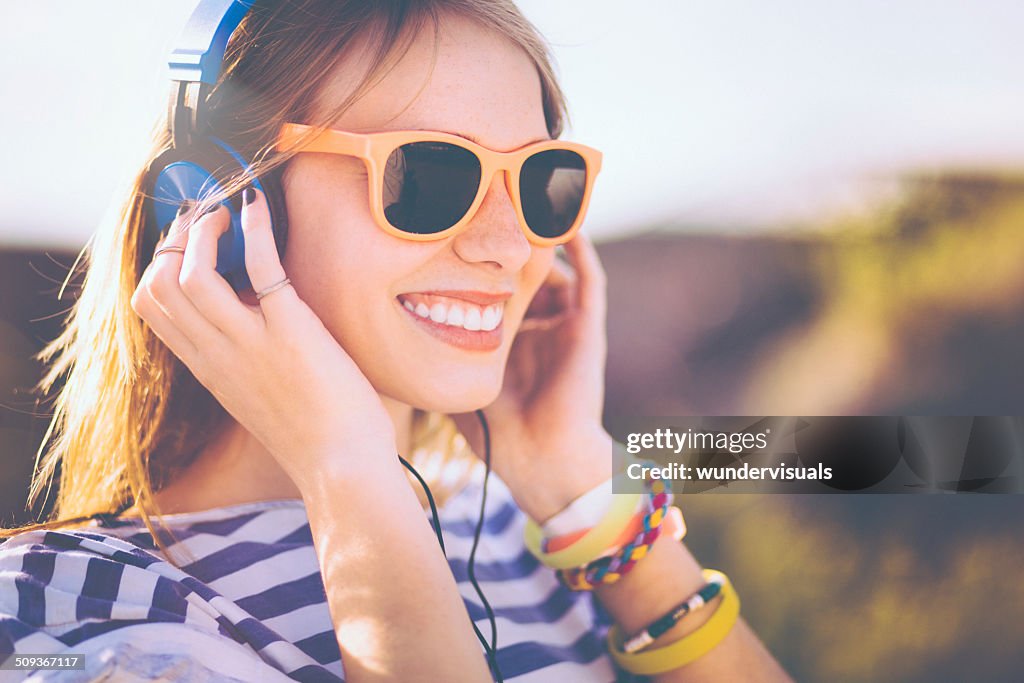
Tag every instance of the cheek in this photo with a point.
(349, 280)
(321, 188)
(349, 271)
(328, 220)
(343, 268)
(333, 243)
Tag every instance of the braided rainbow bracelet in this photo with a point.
(592, 544)
(611, 568)
(601, 540)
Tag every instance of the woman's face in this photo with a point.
(361, 281)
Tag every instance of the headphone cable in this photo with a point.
(489, 648)
(470, 570)
(430, 499)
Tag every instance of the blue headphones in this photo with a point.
(198, 163)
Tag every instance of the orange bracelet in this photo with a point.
(674, 525)
(631, 530)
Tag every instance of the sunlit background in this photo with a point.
(805, 208)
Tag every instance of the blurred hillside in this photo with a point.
(917, 308)
(911, 308)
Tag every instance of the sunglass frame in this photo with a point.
(375, 149)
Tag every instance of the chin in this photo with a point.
(455, 395)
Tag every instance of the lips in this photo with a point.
(454, 312)
(466, 319)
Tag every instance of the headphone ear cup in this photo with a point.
(196, 172)
(166, 190)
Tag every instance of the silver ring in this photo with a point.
(176, 249)
(273, 288)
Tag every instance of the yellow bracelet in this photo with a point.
(687, 648)
(590, 546)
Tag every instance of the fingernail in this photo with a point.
(185, 207)
(248, 195)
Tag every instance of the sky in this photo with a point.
(726, 115)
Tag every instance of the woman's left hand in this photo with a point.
(548, 444)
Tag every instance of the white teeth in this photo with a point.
(438, 313)
(456, 316)
(472, 321)
(469, 317)
(490, 318)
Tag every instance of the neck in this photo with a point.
(235, 468)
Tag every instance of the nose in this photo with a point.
(493, 235)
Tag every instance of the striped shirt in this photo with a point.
(249, 604)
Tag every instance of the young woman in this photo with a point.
(265, 427)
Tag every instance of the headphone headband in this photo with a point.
(200, 50)
(196, 62)
(198, 163)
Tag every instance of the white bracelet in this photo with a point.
(582, 513)
(586, 510)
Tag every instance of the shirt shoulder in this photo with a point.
(65, 591)
(60, 588)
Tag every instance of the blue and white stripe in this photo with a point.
(250, 576)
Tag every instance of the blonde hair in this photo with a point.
(130, 415)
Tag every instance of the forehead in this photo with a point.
(481, 84)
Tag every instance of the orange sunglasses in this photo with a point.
(427, 185)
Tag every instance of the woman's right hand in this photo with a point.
(273, 365)
(280, 373)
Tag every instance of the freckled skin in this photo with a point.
(350, 272)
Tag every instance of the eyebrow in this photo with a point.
(475, 139)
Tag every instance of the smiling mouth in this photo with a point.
(455, 320)
(454, 312)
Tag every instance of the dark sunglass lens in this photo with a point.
(429, 186)
(552, 184)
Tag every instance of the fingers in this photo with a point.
(563, 281)
(160, 285)
(261, 259)
(542, 324)
(591, 282)
(181, 296)
(554, 297)
(160, 280)
(210, 293)
(163, 327)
